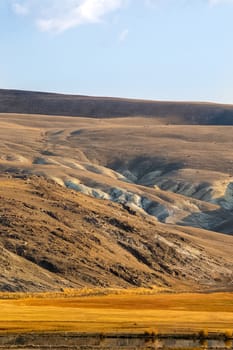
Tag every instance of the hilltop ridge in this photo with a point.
(193, 113)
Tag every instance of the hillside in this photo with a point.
(26, 102)
(55, 238)
(114, 202)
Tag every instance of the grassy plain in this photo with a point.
(125, 313)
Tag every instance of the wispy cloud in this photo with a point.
(123, 35)
(81, 12)
(20, 8)
(61, 15)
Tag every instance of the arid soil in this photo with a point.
(130, 201)
(52, 237)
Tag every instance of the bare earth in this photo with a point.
(115, 202)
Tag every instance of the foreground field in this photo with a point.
(126, 313)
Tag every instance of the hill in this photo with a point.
(26, 102)
(54, 238)
(114, 202)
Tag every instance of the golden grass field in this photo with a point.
(127, 312)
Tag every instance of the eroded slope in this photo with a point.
(114, 202)
(178, 174)
(56, 238)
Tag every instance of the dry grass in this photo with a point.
(119, 313)
(84, 292)
(66, 232)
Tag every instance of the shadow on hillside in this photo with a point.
(219, 220)
(143, 165)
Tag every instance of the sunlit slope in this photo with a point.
(114, 202)
(72, 240)
(177, 174)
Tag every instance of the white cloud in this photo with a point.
(80, 12)
(60, 15)
(20, 8)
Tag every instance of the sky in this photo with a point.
(149, 49)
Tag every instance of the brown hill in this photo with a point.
(26, 102)
(178, 174)
(55, 238)
(114, 201)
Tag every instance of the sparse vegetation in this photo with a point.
(63, 239)
(115, 261)
(80, 254)
(203, 334)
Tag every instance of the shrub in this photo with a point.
(203, 334)
(228, 334)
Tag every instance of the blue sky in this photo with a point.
(152, 49)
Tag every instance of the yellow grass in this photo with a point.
(119, 313)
